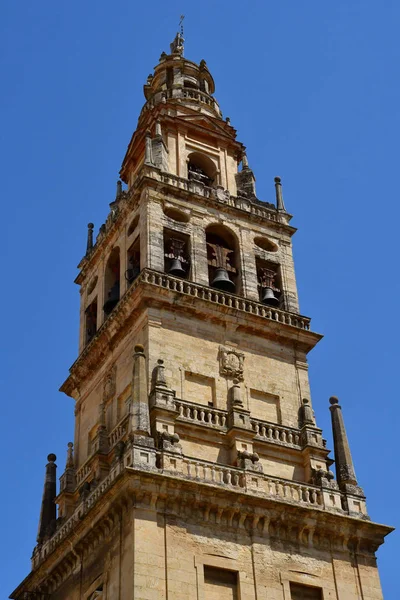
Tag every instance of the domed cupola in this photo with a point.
(178, 79)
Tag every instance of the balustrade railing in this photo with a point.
(258, 209)
(199, 470)
(213, 473)
(197, 95)
(198, 413)
(247, 480)
(118, 432)
(83, 471)
(275, 433)
(223, 298)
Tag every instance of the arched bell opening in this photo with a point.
(111, 282)
(223, 259)
(91, 321)
(191, 83)
(202, 169)
(176, 253)
(133, 261)
(269, 282)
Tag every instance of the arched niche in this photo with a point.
(202, 168)
(223, 258)
(112, 281)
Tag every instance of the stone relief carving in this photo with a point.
(231, 363)
(109, 387)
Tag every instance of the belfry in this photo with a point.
(197, 470)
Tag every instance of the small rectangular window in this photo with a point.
(220, 584)
(305, 592)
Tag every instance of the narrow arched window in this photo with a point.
(202, 169)
(269, 282)
(91, 321)
(223, 259)
(133, 260)
(111, 282)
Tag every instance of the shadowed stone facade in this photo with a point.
(197, 469)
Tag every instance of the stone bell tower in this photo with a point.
(197, 469)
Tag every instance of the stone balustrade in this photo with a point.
(227, 477)
(257, 208)
(196, 290)
(118, 432)
(275, 433)
(198, 95)
(203, 415)
(84, 471)
(231, 477)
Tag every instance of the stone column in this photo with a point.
(48, 513)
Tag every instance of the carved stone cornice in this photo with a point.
(195, 503)
(161, 288)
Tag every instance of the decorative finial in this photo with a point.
(48, 512)
(306, 413)
(228, 120)
(236, 394)
(345, 473)
(245, 162)
(160, 373)
(176, 46)
(89, 244)
(278, 192)
(119, 189)
(70, 456)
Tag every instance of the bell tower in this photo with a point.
(197, 470)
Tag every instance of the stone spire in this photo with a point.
(48, 512)
(140, 419)
(280, 205)
(89, 244)
(345, 473)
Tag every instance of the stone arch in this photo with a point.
(112, 281)
(202, 168)
(223, 258)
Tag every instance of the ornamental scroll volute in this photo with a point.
(231, 363)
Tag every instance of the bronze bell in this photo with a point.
(113, 298)
(221, 280)
(268, 297)
(176, 268)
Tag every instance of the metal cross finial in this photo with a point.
(181, 24)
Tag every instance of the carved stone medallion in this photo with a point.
(231, 363)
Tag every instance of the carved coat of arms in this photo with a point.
(231, 363)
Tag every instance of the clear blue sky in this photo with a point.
(313, 90)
